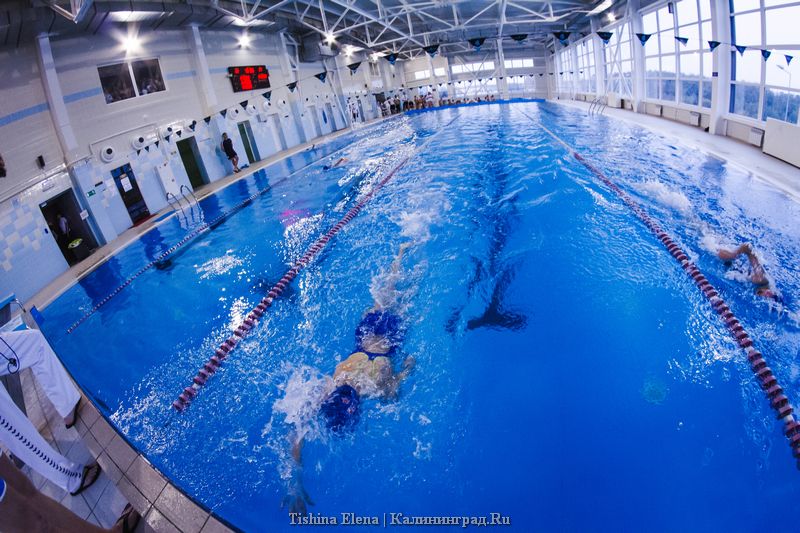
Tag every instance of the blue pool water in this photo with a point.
(569, 375)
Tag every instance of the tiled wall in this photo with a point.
(29, 257)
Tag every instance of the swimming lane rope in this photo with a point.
(769, 383)
(224, 350)
(205, 226)
(189, 236)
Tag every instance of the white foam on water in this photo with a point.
(218, 265)
(664, 195)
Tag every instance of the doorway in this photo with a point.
(327, 117)
(192, 162)
(130, 193)
(250, 148)
(67, 222)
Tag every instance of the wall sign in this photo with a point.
(249, 78)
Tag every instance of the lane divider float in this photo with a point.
(197, 231)
(758, 364)
(224, 350)
(205, 226)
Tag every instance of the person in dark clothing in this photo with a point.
(227, 147)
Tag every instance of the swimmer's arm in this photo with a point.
(297, 499)
(397, 379)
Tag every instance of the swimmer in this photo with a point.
(757, 274)
(339, 162)
(367, 373)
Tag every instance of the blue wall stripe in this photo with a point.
(218, 70)
(179, 75)
(23, 113)
(81, 95)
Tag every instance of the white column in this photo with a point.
(721, 66)
(635, 20)
(502, 84)
(55, 99)
(599, 59)
(201, 65)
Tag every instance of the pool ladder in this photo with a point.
(598, 106)
(177, 207)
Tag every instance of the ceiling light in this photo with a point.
(330, 38)
(244, 40)
(611, 17)
(131, 43)
(602, 6)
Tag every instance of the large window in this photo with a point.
(121, 81)
(518, 63)
(762, 89)
(566, 70)
(586, 70)
(674, 71)
(466, 68)
(422, 74)
(619, 62)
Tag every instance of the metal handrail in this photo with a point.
(191, 193)
(180, 206)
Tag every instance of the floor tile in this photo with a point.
(145, 478)
(180, 510)
(109, 506)
(103, 432)
(160, 523)
(215, 526)
(121, 452)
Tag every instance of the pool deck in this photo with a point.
(777, 173)
(128, 476)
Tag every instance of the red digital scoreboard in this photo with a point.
(249, 78)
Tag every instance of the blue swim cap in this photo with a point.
(341, 408)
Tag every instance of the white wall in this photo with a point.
(26, 127)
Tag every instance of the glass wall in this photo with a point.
(619, 61)
(765, 88)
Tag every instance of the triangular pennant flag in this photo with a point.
(147, 149)
(243, 103)
(643, 37)
(354, 67)
(551, 73)
(139, 151)
(561, 35)
(683, 40)
(207, 120)
(167, 138)
(321, 76)
(157, 144)
(267, 94)
(788, 59)
(540, 74)
(223, 112)
(740, 48)
(477, 42)
(291, 86)
(193, 125)
(765, 54)
(431, 49)
(560, 73)
(178, 133)
(391, 58)
(605, 36)
(519, 37)
(713, 44)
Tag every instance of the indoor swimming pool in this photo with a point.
(568, 372)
